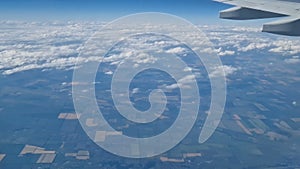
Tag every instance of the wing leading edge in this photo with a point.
(259, 9)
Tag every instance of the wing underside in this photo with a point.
(259, 9)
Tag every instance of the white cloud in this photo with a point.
(286, 47)
(245, 39)
(293, 60)
(246, 29)
(56, 45)
(183, 82)
(187, 79)
(254, 46)
(187, 69)
(218, 72)
(135, 90)
(109, 73)
(176, 50)
(173, 86)
(42, 45)
(145, 58)
(226, 53)
(223, 70)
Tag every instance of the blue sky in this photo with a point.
(194, 10)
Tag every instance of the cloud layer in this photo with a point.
(31, 45)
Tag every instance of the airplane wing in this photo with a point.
(259, 9)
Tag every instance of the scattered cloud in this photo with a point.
(293, 60)
(183, 82)
(223, 70)
(254, 46)
(226, 53)
(176, 50)
(109, 73)
(34, 45)
(286, 47)
(135, 90)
